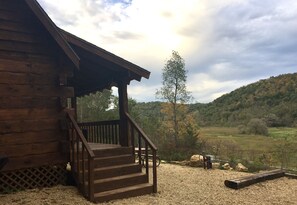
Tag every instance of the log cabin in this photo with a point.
(43, 69)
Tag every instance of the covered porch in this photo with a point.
(102, 154)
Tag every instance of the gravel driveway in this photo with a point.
(177, 185)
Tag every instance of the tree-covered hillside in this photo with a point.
(273, 99)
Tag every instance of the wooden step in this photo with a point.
(113, 171)
(125, 192)
(101, 162)
(113, 151)
(118, 170)
(117, 182)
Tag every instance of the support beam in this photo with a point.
(123, 108)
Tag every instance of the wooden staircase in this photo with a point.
(116, 175)
(105, 172)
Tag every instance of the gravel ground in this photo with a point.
(177, 185)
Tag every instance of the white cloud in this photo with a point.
(225, 44)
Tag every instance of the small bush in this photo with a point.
(255, 166)
(242, 129)
(257, 126)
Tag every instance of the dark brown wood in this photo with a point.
(7, 127)
(116, 175)
(101, 53)
(255, 178)
(30, 149)
(38, 91)
(123, 107)
(27, 79)
(101, 132)
(35, 161)
(21, 37)
(31, 137)
(291, 176)
(27, 102)
(27, 27)
(22, 65)
(37, 78)
(79, 147)
(125, 192)
(142, 137)
(25, 47)
(17, 16)
(24, 114)
(52, 29)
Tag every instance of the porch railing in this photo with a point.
(105, 132)
(141, 141)
(81, 159)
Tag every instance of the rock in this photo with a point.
(241, 168)
(226, 166)
(216, 165)
(196, 161)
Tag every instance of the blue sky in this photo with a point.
(225, 44)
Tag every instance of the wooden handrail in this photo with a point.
(147, 143)
(79, 146)
(81, 136)
(151, 144)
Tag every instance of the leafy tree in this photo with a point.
(174, 92)
(96, 107)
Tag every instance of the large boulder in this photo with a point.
(241, 168)
(196, 161)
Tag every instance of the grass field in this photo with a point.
(279, 147)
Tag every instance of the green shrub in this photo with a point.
(255, 166)
(257, 126)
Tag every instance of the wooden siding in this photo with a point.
(31, 66)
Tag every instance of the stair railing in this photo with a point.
(81, 159)
(138, 137)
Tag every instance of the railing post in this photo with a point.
(155, 171)
(139, 149)
(146, 161)
(83, 169)
(91, 179)
(77, 156)
(123, 108)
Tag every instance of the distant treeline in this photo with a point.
(273, 100)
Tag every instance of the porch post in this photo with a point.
(74, 106)
(123, 107)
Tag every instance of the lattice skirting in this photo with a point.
(45, 176)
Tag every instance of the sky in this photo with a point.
(225, 44)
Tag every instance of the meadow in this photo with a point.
(278, 149)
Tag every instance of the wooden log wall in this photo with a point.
(31, 66)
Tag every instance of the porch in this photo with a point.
(102, 154)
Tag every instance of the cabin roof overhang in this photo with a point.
(97, 69)
(101, 53)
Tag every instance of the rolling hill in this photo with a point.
(273, 99)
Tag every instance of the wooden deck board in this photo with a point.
(99, 146)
